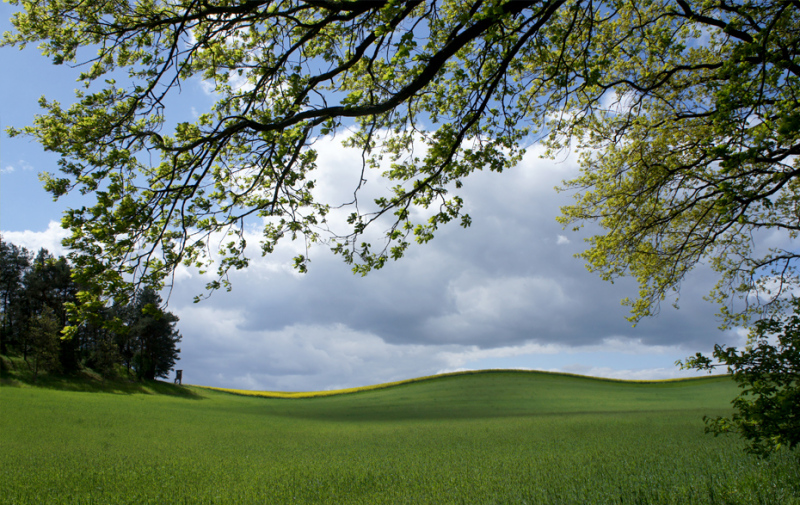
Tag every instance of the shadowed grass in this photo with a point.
(14, 372)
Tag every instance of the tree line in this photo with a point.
(34, 289)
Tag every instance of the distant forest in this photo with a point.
(35, 288)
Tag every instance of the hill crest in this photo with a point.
(386, 385)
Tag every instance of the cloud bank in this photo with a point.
(506, 291)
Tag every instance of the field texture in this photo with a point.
(500, 437)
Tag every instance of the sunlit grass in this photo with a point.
(503, 437)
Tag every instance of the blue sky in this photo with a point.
(505, 293)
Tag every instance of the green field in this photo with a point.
(495, 437)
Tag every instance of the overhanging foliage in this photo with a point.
(686, 111)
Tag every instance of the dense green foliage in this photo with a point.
(34, 293)
(28, 286)
(686, 113)
(45, 333)
(149, 342)
(510, 437)
(697, 162)
(768, 371)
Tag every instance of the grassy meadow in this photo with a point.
(493, 437)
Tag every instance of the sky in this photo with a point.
(508, 292)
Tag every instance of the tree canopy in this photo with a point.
(685, 113)
(768, 372)
(35, 289)
(152, 336)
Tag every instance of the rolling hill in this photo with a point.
(489, 437)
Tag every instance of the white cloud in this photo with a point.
(24, 165)
(50, 239)
(562, 239)
(240, 82)
(484, 302)
(468, 354)
(623, 345)
(627, 374)
(647, 374)
(616, 103)
(208, 87)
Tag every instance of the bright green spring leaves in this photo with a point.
(698, 152)
(696, 162)
(285, 73)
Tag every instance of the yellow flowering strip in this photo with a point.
(332, 392)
